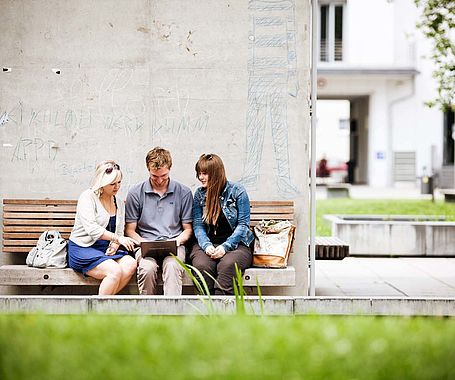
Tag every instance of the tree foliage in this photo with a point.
(437, 21)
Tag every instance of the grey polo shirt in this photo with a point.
(159, 217)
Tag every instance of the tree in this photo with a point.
(437, 22)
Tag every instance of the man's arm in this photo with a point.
(185, 235)
(130, 231)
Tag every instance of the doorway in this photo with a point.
(342, 139)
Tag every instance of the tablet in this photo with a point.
(158, 249)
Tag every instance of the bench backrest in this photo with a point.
(25, 219)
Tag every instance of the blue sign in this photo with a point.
(380, 155)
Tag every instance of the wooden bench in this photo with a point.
(25, 219)
(330, 248)
(449, 194)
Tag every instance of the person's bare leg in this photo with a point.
(110, 274)
(128, 265)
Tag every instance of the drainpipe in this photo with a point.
(314, 77)
(390, 107)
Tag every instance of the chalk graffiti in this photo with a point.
(177, 126)
(39, 134)
(4, 118)
(130, 124)
(171, 116)
(73, 173)
(49, 118)
(34, 149)
(272, 78)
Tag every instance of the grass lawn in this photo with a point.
(35, 346)
(378, 206)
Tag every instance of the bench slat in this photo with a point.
(41, 215)
(40, 201)
(29, 235)
(275, 217)
(38, 222)
(7, 248)
(271, 210)
(18, 243)
(271, 203)
(13, 229)
(39, 208)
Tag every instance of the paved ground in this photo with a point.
(386, 277)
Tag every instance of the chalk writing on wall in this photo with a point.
(170, 113)
(272, 79)
(34, 149)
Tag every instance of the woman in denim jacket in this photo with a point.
(221, 224)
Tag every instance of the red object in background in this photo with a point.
(326, 168)
(322, 170)
(340, 167)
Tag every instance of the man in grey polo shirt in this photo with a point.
(159, 209)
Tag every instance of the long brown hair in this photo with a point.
(213, 166)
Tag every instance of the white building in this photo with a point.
(372, 55)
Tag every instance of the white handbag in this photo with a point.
(273, 243)
(49, 252)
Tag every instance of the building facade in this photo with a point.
(372, 55)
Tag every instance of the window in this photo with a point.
(331, 32)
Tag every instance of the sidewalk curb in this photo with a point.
(194, 305)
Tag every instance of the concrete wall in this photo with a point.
(86, 81)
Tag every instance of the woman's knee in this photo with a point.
(129, 265)
(228, 264)
(204, 264)
(114, 272)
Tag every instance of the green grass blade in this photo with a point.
(261, 301)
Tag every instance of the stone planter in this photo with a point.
(395, 235)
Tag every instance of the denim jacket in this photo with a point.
(235, 205)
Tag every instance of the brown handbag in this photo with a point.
(273, 243)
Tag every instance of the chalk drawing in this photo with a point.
(114, 82)
(272, 79)
(130, 124)
(4, 118)
(121, 113)
(16, 114)
(75, 172)
(170, 113)
(39, 119)
(34, 149)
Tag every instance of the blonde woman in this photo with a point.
(221, 223)
(96, 245)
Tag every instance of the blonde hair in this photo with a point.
(213, 166)
(106, 172)
(158, 158)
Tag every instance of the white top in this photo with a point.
(92, 219)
